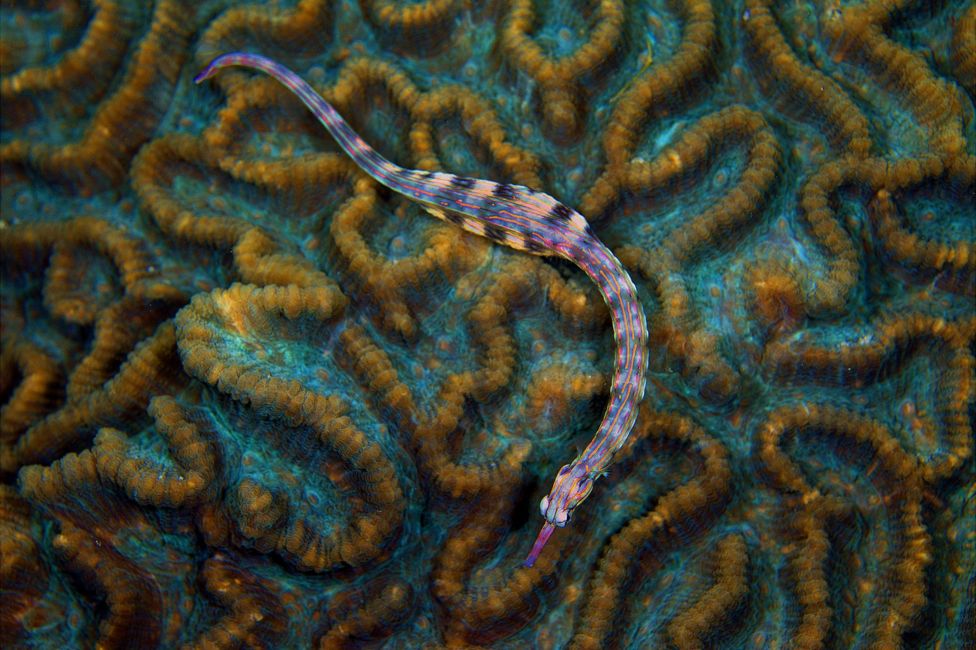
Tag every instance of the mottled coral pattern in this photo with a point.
(252, 399)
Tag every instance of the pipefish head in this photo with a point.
(572, 485)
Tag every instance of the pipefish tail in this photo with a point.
(525, 220)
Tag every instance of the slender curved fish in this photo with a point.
(526, 220)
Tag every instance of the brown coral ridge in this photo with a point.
(41, 392)
(430, 434)
(800, 87)
(66, 250)
(133, 600)
(298, 30)
(256, 616)
(676, 329)
(420, 27)
(775, 296)
(196, 472)
(78, 288)
(118, 329)
(482, 607)
(483, 129)
(660, 90)
(81, 76)
(554, 389)
(558, 78)
(891, 344)
(366, 82)
(881, 178)
(729, 564)
(152, 368)
(262, 514)
(858, 33)
(951, 263)
(95, 523)
(121, 122)
(23, 572)
(388, 283)
(88, 495)
(31, 383)
(964, 49)
(367, 613)
(900, 588)
(258, 254)
(675, 519)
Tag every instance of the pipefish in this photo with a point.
(526, 220)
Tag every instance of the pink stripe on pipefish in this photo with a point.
(529, 221)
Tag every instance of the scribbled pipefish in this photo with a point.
(528, 221)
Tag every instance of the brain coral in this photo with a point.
(252, 399)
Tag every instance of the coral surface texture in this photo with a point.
(253, 399)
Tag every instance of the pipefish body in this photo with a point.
(525, 220)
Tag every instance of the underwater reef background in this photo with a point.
(252, 399)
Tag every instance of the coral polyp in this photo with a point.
(249, 397)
